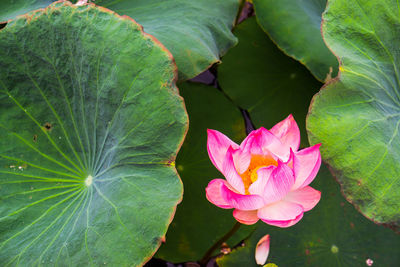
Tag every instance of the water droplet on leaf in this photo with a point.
(334, 249)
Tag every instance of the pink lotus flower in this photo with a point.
(267, 177)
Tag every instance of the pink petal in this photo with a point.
(230, 173)
(242, 160)
(288, 132)
(81, 2)
(285, 224)
(251, 144)
(213, 193)
(307, 197)
(282, 213)
(246, 216)
(306, 164)
(279, 184)
(262, 250)
(264, 174)
(239, 201)
(263, 142)
(217, 145)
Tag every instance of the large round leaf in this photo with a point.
(260, 78)
(90, 123)
(295, 25)
(9, 9)
(198, 224)
(197, 32)
(357, 117)
(333, 234)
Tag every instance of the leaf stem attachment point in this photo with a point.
(89, 180)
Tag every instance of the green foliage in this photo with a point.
(260, 78)
(332, 234)
(9, 9)
(197, 223)
(295, 26)
(197, 32)
(90, 121)
(357, 116)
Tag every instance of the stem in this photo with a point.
(247, 121)
(241, 6)
(218, 244)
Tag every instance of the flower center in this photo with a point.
(256, 162)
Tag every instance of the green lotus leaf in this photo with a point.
(197, 32)
(295, 26)
(91, 122)
(258, 77)
(9, 9)
(198, 224)
(332, 234)
(356, 117)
